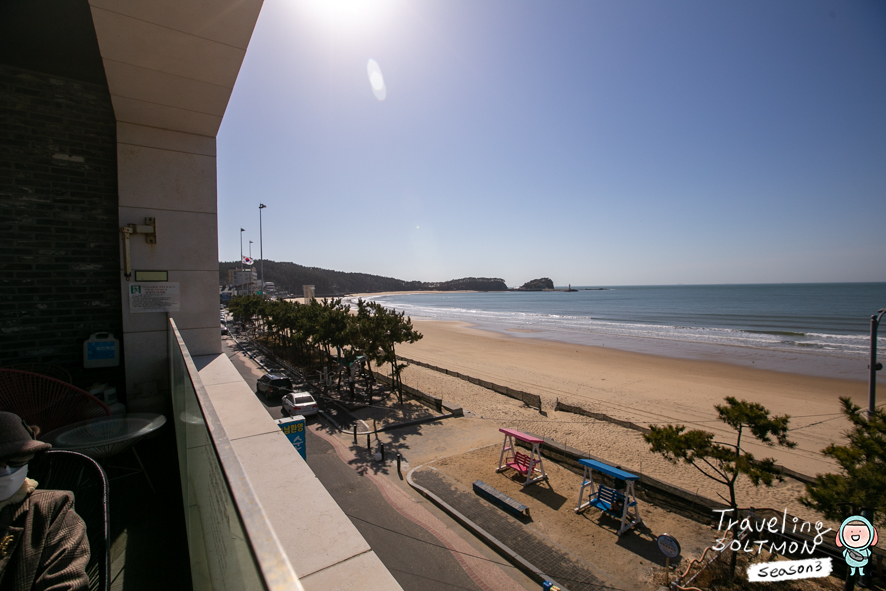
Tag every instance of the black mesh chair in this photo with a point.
(80, 474)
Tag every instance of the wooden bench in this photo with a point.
(520, 464)
(499, 498)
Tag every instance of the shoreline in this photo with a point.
(805, 363)
(801, 361)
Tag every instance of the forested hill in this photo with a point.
(290, 277)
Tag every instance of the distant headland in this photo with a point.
(288, 278)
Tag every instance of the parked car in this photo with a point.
(273, 384)
(224, 329)
(299, 403)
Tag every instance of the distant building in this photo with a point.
(244, 282)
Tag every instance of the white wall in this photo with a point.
(171, 177)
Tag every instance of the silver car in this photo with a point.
(299, 403)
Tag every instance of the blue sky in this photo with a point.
(596, 143)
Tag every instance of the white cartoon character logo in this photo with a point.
(856, 536)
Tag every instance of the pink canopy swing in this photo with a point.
(531, 465)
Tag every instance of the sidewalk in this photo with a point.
(552, 562)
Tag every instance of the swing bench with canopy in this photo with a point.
(617, 504)
(527, 465)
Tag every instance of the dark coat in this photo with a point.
(43, 544)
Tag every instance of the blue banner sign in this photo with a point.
(294, 429)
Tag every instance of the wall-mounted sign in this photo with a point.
(153, 297)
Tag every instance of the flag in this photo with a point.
(247, 261)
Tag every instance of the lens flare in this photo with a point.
(376, 80)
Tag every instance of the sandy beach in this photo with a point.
(635, 387)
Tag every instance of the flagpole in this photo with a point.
(241, 257)
(261, 250)
(251, 290)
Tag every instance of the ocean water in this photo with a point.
(769, 325)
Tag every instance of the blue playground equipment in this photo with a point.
(617, 504)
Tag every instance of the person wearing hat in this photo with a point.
(43, 541)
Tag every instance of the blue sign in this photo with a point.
(294, 429)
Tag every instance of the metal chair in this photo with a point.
(80, 474)
(44, 369)
(46, 402)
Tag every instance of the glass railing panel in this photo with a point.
(221, 510)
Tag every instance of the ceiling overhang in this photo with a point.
(172, 64)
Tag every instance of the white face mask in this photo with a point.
(11, 480)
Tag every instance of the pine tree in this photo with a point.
(723, 462)
(861, 483)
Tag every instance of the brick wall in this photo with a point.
(59, 235)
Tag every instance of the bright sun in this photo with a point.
(348, 14)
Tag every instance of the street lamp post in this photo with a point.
(261, 250)
(874, 366)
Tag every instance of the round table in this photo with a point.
(105, 436)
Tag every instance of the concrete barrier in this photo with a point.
(577, 410)
(533, 400)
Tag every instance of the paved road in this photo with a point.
(417, 559)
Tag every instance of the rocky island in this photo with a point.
(541, 284)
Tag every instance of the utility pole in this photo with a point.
(874, 366)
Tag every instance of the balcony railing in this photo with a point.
(231, 542)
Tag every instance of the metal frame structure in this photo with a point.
(508, 458)
(630, 513)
